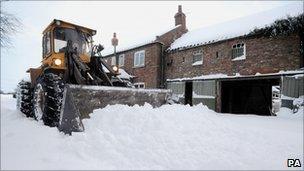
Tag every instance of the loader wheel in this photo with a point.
(48, 99)
(24, 98)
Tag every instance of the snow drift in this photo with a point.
(143, 137)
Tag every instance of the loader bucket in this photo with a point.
(79, 101)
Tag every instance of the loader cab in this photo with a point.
(55, 39)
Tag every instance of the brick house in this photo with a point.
(230, 67)
(145, 61)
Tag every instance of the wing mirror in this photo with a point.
(97, 49)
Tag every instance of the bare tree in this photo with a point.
(9, 25)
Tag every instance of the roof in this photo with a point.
(92, 31)
(236, 76)
(137, 43)
(234, 28)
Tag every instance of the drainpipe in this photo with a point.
(162, 66)
(301, 49)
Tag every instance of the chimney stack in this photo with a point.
(180, 18)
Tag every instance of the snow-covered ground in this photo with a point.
(169, 137)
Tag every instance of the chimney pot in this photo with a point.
(179, 8)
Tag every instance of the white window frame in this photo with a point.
(121, 58)
(199, 62)
(140, 85)
(242, 57)
(139, 58)
(113, 60)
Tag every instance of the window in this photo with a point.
(122, 60)
(139, 85)
(81, 41)
(113, 60)
(238, 52)
(197, 58)
(217, 54)
(183, 59)
(139, 58)
(46, 44)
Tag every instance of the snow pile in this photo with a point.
(170, 137)
(299, 101)
(298, 111)
(235, 28)
(288, 113)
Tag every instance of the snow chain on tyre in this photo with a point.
(24, 98)
(48, 99)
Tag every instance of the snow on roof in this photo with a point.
(124, 74)
(275, 88)
(237, 75)
(234, 28)
(137, 43)
(132, 45)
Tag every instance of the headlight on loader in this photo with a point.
(115, 68)
(57, 62)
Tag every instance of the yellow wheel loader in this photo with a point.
(73, 80)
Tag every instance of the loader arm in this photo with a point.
(79, 72)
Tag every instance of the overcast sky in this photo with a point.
(133, 21)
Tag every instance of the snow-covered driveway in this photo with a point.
(169, 137)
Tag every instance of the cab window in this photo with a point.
(46, 44)
(81, 41)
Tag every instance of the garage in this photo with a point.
(247, 95)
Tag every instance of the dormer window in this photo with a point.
(238, 52)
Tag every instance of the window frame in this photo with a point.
(121, 60)
(46, 53)
(137, 56)
(195, 54)
(113, 61)
(121, 56)
(234, 55)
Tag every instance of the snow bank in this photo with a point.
(169, 137)
(285, 112)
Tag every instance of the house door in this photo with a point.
(188, 93)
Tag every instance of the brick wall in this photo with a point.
(263, 55)
(168, 38)
(150, 73)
